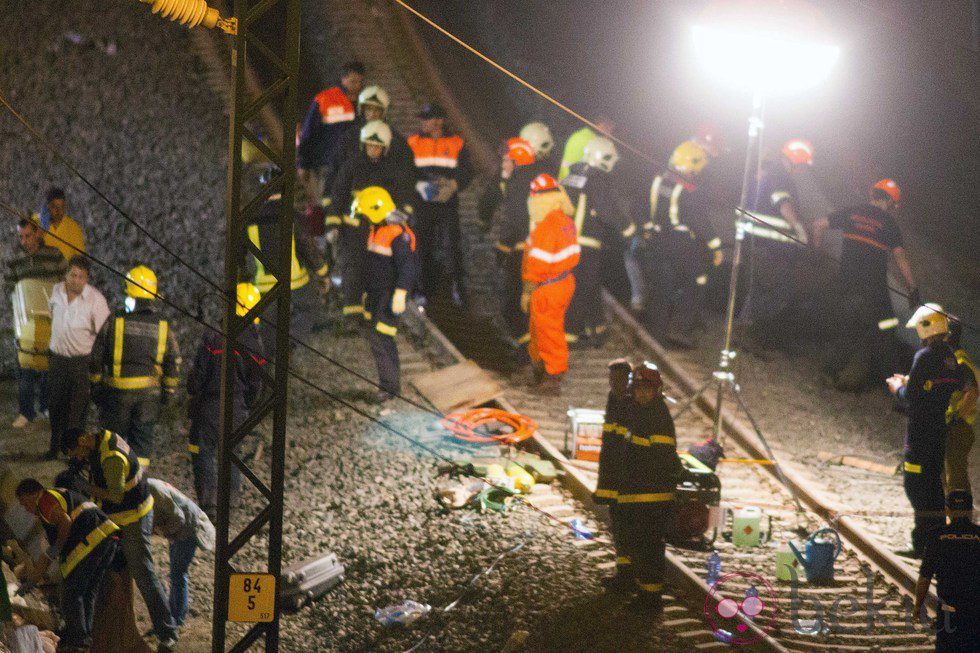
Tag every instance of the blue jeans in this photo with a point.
(32, 388)
(135, 543)
(181, 555)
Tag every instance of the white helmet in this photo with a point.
(929, 320)
(600, 153)
(375, 96)
(377, 132)
(539, 136)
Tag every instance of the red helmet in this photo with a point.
(648, 374)
(543, 183)
(799, 151)
(520, 151)
(890, 187)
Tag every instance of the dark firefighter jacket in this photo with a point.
(349, 145)
(934, 376)
(305, 256)
(112, 460)
(611, 454)
(651, 468)
(396, 175)
(392, 262)
(676, 205)
(600, 216)
(89, 525)
(135, 351)
(505, 204)
(328, 117)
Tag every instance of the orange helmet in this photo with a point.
(799, 151)
(890, 187)
(520, 151)
(543, 183)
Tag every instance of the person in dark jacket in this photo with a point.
(85, 541)
(954, 560)
(136, 363)
(372, 104)
(374, 165)
(648, 480)
(925, 393)
(204, 399)
(612, 463)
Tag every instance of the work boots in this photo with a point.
(531, 375)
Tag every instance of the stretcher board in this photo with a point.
(457, 387)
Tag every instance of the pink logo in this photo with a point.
(735, 599)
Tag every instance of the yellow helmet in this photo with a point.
(374, 203)
(141, 283)
(248, 296)
(688, 158)
(929, 320)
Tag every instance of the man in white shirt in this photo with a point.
(77, 313)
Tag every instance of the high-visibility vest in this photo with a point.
(137, 500)
(264, 281)
(334, 106)
(89, 527)
(552, 249)
(963, 359)
(436, 152)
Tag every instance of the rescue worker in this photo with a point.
(330, 114)
(772, 298)
(373, 165)
(551, 253)
(443, 170)
(85, 541)
(574, 149)
(602, 224)
(117, 482)
(538, 136)
(677, 250)
(612, 461)
(870, 235)
(372, 104)
(204, 398)
(305, 257)
(505, 204)
(961, 415)
(66, 234)
(645, 500)
(391, 270)
(135, 363)
(925, 393)
(954, 560)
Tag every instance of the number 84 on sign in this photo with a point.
(251, 597)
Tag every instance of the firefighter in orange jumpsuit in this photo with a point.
(552, 251)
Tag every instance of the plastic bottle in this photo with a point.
(404, 613)
(714, 568)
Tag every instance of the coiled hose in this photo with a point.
(489, 425)
(192, 13)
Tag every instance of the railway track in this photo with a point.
(868, 606)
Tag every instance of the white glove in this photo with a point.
(398, 301)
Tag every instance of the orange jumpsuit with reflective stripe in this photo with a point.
(552, 252)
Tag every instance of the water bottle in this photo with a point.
(405, 613)
(714, 568)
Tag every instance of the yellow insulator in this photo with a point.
(192, 13)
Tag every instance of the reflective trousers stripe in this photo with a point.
(623, 560)
(912, 468)
(650, 587)
(386, 329)
(603, 493)
(193, 448)
(653, 439)
(352, 310)
(651, 497)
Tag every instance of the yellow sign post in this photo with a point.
(251, 597)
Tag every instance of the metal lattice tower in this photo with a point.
(278, 59)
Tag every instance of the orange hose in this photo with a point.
(467, 425)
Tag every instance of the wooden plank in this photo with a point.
(457, 387)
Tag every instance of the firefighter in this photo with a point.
(204, 398)
(677, 249)
(330, 114)
(391, 270)
(611, 463)
(135, 363)
(574, 149)
(961, 415)
(505, 205)
(645, 500)
(85, 541)
(373, 165)
(305, 258)
(954, 560)
(551, 253)
(775, 254)
(443, 170)
(117, 482)
(372, 104)
(538, 136)
(925, 393)
(602, 224)
(870, 235)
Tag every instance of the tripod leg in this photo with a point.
(765, 444)
(687, 403)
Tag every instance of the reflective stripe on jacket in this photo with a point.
(552, 249)
(135, 351)
(137, 500)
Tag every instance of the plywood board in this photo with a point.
(457, 387)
